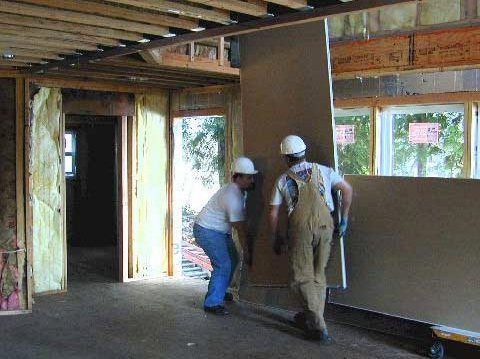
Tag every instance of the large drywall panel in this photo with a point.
(150, 200)
(46, 153)
(413, 249)
(286, 89)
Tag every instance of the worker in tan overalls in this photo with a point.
(307, 189)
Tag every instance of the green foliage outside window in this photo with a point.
(355, 158)
(443, 159)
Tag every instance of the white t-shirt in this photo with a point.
(286, 188)
(226, 206)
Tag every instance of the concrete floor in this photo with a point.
(162, 318)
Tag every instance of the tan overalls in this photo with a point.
(310, 229)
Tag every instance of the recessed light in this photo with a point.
(170, 34)
(144, 40)
(199, 28)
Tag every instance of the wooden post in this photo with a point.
(131, 159)
(20, 178)
(28, 193)
(63, 194)
(220, 51)
(469, 142)
(191, 51)
(122, 244)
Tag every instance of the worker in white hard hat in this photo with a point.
(213, 232)
(306, 187)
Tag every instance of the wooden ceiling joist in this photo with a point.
(118, 12)
(172, 7)
(38, 46)
(69, 27)
(77, 17)
(26, 59)
(294, 4)
(254, 8)
(30, 53)
(46, 42)
(8, 29)
(8, 63)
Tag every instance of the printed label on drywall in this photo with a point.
(345, 134)
(423, 132)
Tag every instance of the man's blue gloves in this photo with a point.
(342, 226)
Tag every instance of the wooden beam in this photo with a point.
(449, 97)
(37, 33)
(8, 63)
(259, 8)
(25, 59)
(79, 18)
(294, 4)
(452, 48)
(47, 42)
(132, 160)
(52, 81)
(117, 12)
(7, 45)
(298, 17)
(173, 7)
(30, 53)
(69, 27)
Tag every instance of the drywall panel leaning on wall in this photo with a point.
(47, 177)
(286, 89)
(413, 250)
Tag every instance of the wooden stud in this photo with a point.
(69, 27)
(28, 192)
(173, 7)
(469, 141)
(216, 111)
(221, 51)
(259, 8)
(191, 51)
(375, 128)
(122, 205)
(131, 155)
(8, 29)
(117, 12)
(76, 17)
(20, 181)
(63, 193)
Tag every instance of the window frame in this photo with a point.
(73, 154)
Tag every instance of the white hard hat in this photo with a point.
(244, 165)
(292, 144)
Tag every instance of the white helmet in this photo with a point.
(244, 165)
(291, 145)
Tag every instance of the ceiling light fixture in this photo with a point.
(8, 56)
(170, 34)
(144, 40)
(197, 29)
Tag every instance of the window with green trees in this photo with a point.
(353, 140)
(423, 141)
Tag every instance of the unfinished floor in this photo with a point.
(100, 318)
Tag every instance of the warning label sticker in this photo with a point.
(423, 132)
(345, 134)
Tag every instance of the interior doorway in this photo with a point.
(91, 197)
(198, 172)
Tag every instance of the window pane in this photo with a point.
(68, 142)
(428, 141)
(68, 164)
(353, 140)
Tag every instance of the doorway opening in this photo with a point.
(199, 171)
(91, 197)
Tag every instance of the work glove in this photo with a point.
(342, 226)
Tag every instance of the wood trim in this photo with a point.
(14, 312)
(28, 193)
(122, 204)
(50, 292)
(469, 143)
(374, 139)
(20, 181)
(206, 89)
(449, 97)
(217, 111)
(170, 184)
(63, 193)
(131, 159)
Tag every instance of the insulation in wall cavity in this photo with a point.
(439, 11)
(48, 241)
(9, 275)
(150, 201)
(398, 17)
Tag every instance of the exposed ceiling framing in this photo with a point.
(77, 38)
